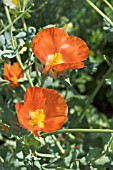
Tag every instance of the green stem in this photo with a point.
(23, 87)
(8, 26)
(78, 130)
(37, 73)
(95, 92)
(7, 14)
(11, 25)
(14, 47)
(29, 79)
(46, 155)
(44, 76)
(110, 6)
(22, 67)
(62, 151)
(97, 157)
(24, 24)
(100, 12)
(65, 97)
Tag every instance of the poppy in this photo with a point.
(58, 51)
(43, 110)
(12, 73)
(11, 3)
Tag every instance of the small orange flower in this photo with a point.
(43, 110)
(58, 51)
(12, 73)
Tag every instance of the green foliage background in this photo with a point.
(19, 149)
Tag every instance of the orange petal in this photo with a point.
(54, 107)
(74, 50)
(10, 71)
(54, 123)
(48, 42)
(55, 110)
(35, 133)
(23, 118)
(15, 69)
(6, 73)
(64, 66)
(34, 98)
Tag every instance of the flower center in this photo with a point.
(15, 2)
(37, 118)
(54, 59)
(14, 79)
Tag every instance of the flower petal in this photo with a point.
(12, 73)
(48, 42)
(55, 110)
(53, 105)
(34, 98)
(65, 66)
(74, 49)
(54, 123)
(23, 118)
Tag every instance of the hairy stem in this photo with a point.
(8, 26)
(109, 5)
(46, 155)
(78, 130)
(58, 145)
(100, 12)
(14, 46)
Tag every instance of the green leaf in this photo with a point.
(102, 160)
(27, 15)
(6, 115)
(3, 82)
(8, 54)
(94, 154)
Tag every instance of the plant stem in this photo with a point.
(7, 14)
(8, 26)
(24, 24)
(110, 6)
(44, 76)
(11, 25)
(95, 91)
(23, 87)
(46, 155)
(78, 130)
(58, 145)
(14, 46)
(100, 12)
(22, 67)
(37, 73)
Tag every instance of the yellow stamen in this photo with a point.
(37, 118)
(14, 79)
(15, 2)
(54, 59)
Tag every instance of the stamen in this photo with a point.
(37, 118)
(14, 79)
(15, 2)
(54, 59)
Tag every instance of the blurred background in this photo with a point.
(78, 18)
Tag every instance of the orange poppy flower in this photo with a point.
(43, 110)
(58, 51)
(12, 73)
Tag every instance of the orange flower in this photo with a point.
(12, 73)
(43, 110)
(58, 51)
